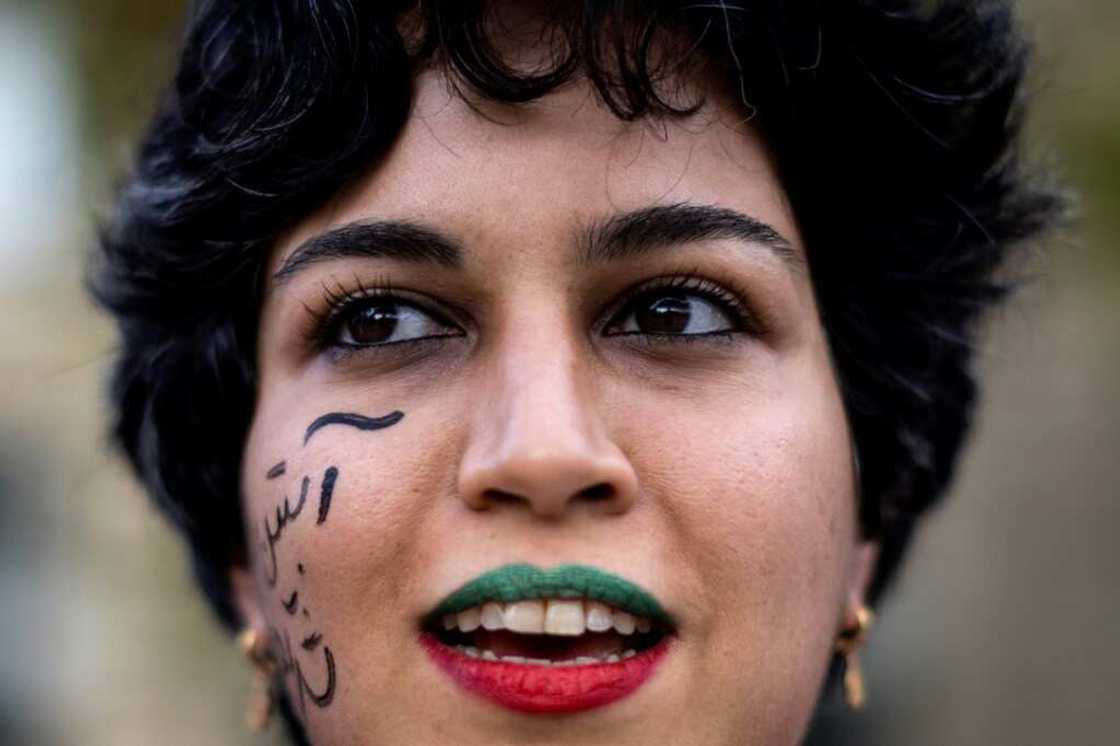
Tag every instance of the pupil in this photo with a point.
(374, 324)
(668, 314)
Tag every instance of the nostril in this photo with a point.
(498, 496)
(597, 492)
(600, 492)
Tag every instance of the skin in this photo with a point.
(730, 482)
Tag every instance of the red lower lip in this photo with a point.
(531, 688)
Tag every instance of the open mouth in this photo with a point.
(548, 641)
(548, 632)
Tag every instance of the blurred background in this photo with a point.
(1006, 625)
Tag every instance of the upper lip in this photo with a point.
(518, 582)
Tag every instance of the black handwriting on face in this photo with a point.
(359, 421)
(325, 493)
(285, 514)
(321, 699)
(290, 664)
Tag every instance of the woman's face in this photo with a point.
(544, 336)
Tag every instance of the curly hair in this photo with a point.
(895, 126)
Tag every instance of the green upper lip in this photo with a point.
(523, 581)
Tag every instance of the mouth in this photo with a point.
(560, 640)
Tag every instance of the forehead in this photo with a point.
(498, 176)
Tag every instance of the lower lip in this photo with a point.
(535, 688)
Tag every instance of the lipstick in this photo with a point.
(548, 641)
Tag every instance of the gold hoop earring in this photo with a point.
(849, 644)
(254, 646)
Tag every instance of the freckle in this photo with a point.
(306, 614)
(299, 566)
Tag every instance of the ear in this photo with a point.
(862, 569)
(246, 599)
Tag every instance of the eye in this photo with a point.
(679, 310)
(374, 322)
(674, 313)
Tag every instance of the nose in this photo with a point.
(537, 441)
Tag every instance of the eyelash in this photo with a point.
(727, 301)
(340, 304)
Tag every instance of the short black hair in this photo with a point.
(895, 126)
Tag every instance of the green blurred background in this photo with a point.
(1005, 628)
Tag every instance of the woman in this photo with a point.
(562, 374)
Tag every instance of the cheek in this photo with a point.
(755, 483)
(760, 470)
(380, 492)
(378, 544)
(766, 511)
(349, 565)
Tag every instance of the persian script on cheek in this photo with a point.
(311, 661)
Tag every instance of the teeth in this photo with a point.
(492, 616)
(469, 619)
(583, 660)
(580, 661)
(598, 616)
(624, 623)
(526, 617)
(564, 618)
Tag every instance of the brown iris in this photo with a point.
(374, 324)
(666, 314)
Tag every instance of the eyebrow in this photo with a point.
(403, 240)
(633, 234)
(625, 236)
